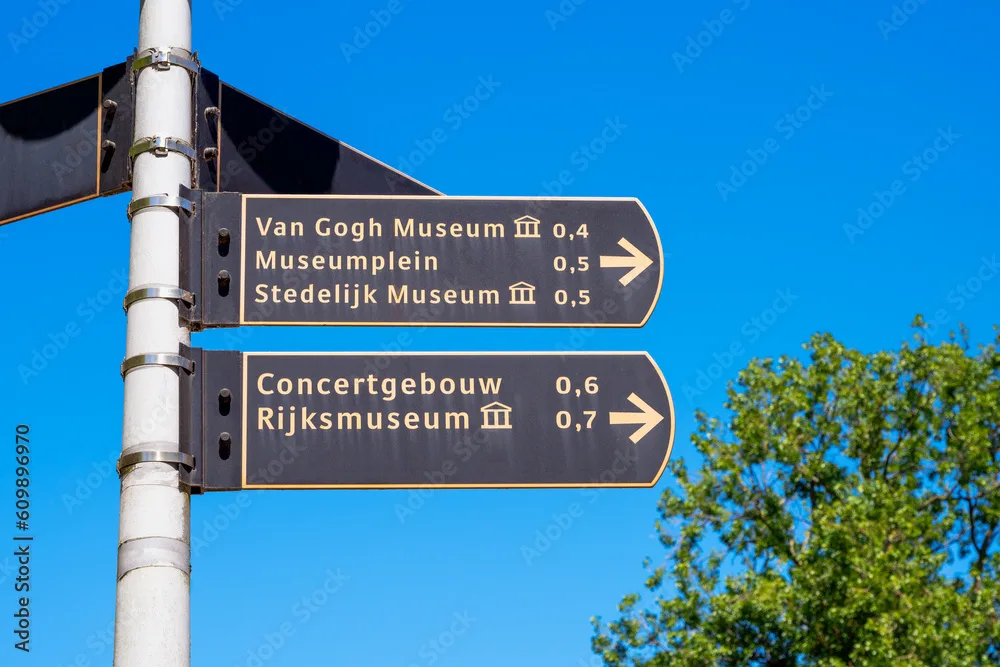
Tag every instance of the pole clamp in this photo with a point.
(161, 200)
(158, 292)
(161, 147)
(157, 359)
(163, 59)
(153, 552)
(154, 456)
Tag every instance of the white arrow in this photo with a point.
(638, 262)
(648, 418)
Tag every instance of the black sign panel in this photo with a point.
(463, 420)
(260, 150)
(429, 261)
(65, 145)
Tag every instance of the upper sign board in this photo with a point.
(428, 261)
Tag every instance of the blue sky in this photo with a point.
(758, 212)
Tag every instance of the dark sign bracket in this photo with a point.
(211, 428)
(190, 263)
(189, 431)
(210, 260)
(118, 104)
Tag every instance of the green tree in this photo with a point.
(846, 514)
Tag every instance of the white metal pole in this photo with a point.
(153, 605)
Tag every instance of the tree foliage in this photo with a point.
(848, 514)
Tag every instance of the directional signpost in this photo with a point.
(469, 261)
(462, 420)
(242, 215)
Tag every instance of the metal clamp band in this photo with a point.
(164, 200)
(161, 146)
(154, 456)
(157, 359)
(163, 59)
(158, 292)
(153, 552)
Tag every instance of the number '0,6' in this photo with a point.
(565, 386)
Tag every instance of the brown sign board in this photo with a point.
(65, 145)
(256, 149)
(427, 420)
(426, 261)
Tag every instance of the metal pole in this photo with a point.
(153, 605)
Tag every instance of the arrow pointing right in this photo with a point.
(638, 262)
(649, 418)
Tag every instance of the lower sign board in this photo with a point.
(426, 261)
(454, 420)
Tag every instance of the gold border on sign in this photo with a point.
(560, 325)
(49, 90)
(589, 485)
(100, 125)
